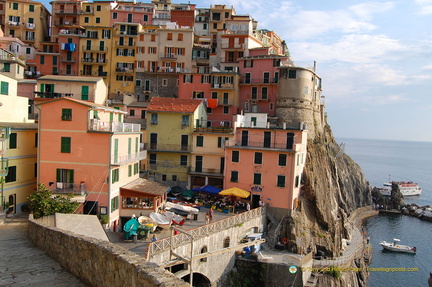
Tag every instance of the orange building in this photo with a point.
(267, 161)
(86, 149)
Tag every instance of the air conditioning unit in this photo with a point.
(66, 22)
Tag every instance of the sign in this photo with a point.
(256, 188)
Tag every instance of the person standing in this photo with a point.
(247, 206)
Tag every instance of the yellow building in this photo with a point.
(170, 127)
(25, 20)
(91, 89)
(17, 163)
(18, 147)
(208, 156)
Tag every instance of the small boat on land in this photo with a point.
(396, 247)
(185, 208)
(161, 220)
(176, 219)
(147, 221)
(407, 188)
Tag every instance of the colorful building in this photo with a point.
(267, 161)
(18, 147)
(86, 149)
(170, 127)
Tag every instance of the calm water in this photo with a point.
(399, 160)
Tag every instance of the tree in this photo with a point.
(42, 202)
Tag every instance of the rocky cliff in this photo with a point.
(334, 187)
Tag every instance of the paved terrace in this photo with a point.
(23, 264)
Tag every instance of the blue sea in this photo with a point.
(380, 161)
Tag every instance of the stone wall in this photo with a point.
(98, 263)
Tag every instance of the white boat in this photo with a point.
(161, 220)
(396, 247)
(177, 219)
(407, 188)
(144, 220)
(185, 208)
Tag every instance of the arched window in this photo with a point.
(226, 242)
(204, 250)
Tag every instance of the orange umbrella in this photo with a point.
(235, 191)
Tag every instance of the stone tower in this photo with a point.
(299, 100)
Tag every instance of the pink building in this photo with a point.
(267, 161)
(87, 150)
(259, 80)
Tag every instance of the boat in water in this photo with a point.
(161, 220)
(407, 188)
(396, 247)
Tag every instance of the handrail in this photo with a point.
(202, 231)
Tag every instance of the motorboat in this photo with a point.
(147, 221)
(407, 188)
(161, 220)
(396, 247)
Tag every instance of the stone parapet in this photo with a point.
(98, 263)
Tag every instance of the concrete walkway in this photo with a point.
(23, 264)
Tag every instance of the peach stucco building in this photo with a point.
(268, 162)
(86, 149)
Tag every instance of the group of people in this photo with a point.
(225, 202)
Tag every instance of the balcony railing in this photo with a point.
(94, 74)
(101, 126)
(68, 59)
(30, 25)
(258, 81)
(274, 145)
(169, 56)
(67, 11)
(125, 44)
(167, 147)
(69, 188)
(213, 171)
(51, 95)
(130, 158)
(94, 48)
(71, 32)
(223, 130)
(94, 61)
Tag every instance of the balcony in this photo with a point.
(53, 95)
(205, 171)
(13, 23)
(95, 48)
(124, 70)
(124, 44)
(168, 56)
(94, 61)
(258, 81)
(30, 26)
(233, 46)
(222, 86)
(71, 32)
(113, 127)
(261, 145)
(167, 147)
(127, 159)
(94, 74)
(69, 188)
(67, 12)
(223, 130)
(67, 72)
(68, 59)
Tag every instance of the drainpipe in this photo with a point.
(109, 181)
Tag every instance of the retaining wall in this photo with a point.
(98, 263)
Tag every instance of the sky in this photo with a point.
(374, 58)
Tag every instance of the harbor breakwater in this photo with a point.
(421, 212)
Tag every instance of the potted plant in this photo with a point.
(104, 219)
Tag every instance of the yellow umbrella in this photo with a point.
(235, 191)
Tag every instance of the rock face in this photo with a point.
(334, 186)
